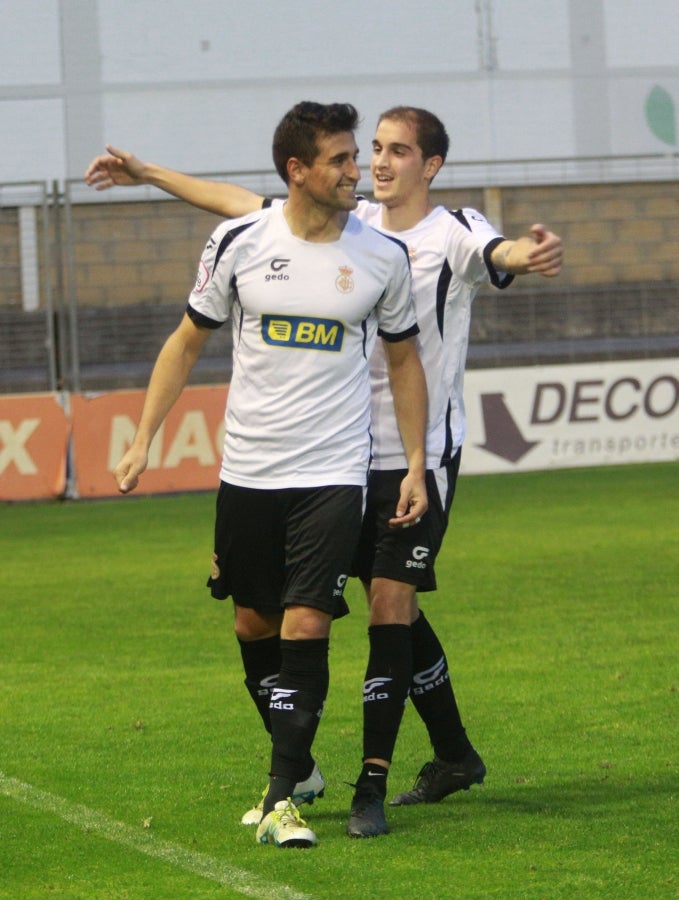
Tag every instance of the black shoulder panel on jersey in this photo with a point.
(200, 320)
(461, 218)
(228, 238)
(266, 203)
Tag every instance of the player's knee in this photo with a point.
(304, 623)
(249, 625)
(391, 602)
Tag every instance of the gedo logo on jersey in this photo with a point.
(304, 333)
(277, 266)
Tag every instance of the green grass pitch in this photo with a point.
(129, 747)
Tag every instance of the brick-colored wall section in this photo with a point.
(613, 233)
(135, 264)
(132, 253)
(147, 252)
(10, 264)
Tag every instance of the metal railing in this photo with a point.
(90, 285)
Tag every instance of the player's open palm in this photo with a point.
(117, 167)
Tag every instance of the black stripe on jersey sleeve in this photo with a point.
(389, 237)
(200, 320)
(498, 280)
(401, 336)
(397, 241)
(228, 238)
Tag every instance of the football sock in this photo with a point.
(432, 693)
(262, 663)
(375, 776)
(385, 689)
(280, 788)
(295, 709)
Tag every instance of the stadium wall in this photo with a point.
(87, 299)
(520, 419)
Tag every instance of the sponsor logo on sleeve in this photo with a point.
(202, 279)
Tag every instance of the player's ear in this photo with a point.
(432, 166)
(296, 171)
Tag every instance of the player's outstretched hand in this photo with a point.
(117, 167)
(547, 256)
(412, 504)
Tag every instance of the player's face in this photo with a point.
(332, 177)
(398, 170)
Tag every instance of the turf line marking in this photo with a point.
(239, 880)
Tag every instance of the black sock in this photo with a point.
(385, 690)
(262, 663)
(432, 693)
(375, 776)
(280, 788)
(295, 708)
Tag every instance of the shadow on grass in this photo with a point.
(584, 798)
(636, 803)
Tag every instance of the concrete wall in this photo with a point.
(201, 85)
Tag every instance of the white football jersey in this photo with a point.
(450, 260)
(305, 318)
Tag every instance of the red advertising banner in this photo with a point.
(539, 417)
(185, 454)
(34, 432)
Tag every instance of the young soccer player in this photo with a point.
(297, 441)
(452, 253)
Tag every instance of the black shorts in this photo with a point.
(404, 554)
(274, 548)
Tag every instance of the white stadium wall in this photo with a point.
(200, 86)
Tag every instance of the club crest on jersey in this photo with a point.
(304, 333)
(344, 282)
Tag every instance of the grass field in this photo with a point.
(129, 747)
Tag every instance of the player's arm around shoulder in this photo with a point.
(120, 167)
(540, 253)
(409, 390)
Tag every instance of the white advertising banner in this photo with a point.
(563, 416)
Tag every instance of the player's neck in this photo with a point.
(310, 222)
(403, 216)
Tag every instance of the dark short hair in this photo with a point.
(431, 134)
(297, 132)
